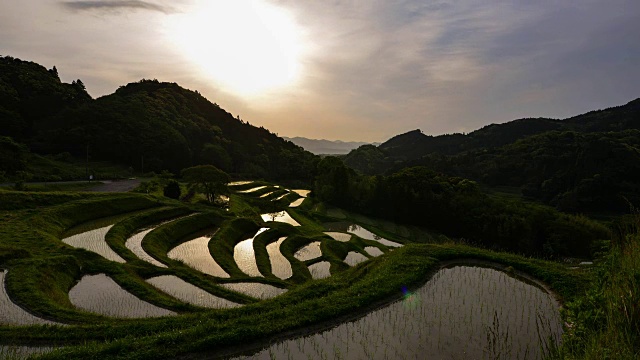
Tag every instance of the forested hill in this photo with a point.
(160, 125)
(588, 162)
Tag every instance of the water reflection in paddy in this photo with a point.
(280, 266)
(361, 232)
(245, 256)
(373, 251)
(101, 295)
(303, 193)
(93, 240)
(281, 216)
(461, 313)
(189, 293)
(134, 244)
(195, 254)
(342, 237)
(256, 290)
(354, 258)
(320, 270)
(308, 252)
(297, 202)
(12, 314)
(252, 190)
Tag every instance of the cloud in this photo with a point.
(111, 5)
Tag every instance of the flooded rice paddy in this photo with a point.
(303, 193)
(195, 254)
(252, 190)
(94, 240)
(308, 252)
(237, 183)
(354, 258)
(256, 290)
(245, 256)
(134, 244)
(297, 202)
(361, 232)
(189, 293)
(101, 295)
(373, 251)
(281, 216)
(320, 270)
(342, 237)
(12, 314)
(280, 266)
(461, 313)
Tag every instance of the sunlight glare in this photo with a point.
(247, 47)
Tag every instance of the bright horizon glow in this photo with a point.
(247, 47)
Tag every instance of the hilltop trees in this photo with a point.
(208, 179)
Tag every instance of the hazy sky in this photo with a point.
(351, 70)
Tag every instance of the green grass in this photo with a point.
(42, 270)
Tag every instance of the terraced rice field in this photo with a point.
(101, 295)
(13, 314)
(189, 293)
(461, 313)
(218, 261)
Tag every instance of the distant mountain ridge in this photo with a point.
(327, 147)
(584, 163)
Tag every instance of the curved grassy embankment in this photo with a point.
(42, 270)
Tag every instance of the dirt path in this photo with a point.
(116, 186)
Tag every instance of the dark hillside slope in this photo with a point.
(30, 93)
(148, 126)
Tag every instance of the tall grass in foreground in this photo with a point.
(604, 323)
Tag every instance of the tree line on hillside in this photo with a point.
(458, 208)
(587, 163)
(148, 126)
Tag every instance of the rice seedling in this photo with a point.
(281, 216)
(189, 293)
(12, 314)
(462, 312)
(252, 190)
(94, 240)
(134, 244)
(320, 270)
(373, 251)
(354, 258)
(309, 251)
(338, 236)
(297, 202)
(101, 295)
(245, 256)
(280, 266)
(195, 254)
(256, 290)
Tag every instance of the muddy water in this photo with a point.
(461, 313)
(101, 295)
(252, 190)
(297, 202)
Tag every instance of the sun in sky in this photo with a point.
(247, 47)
